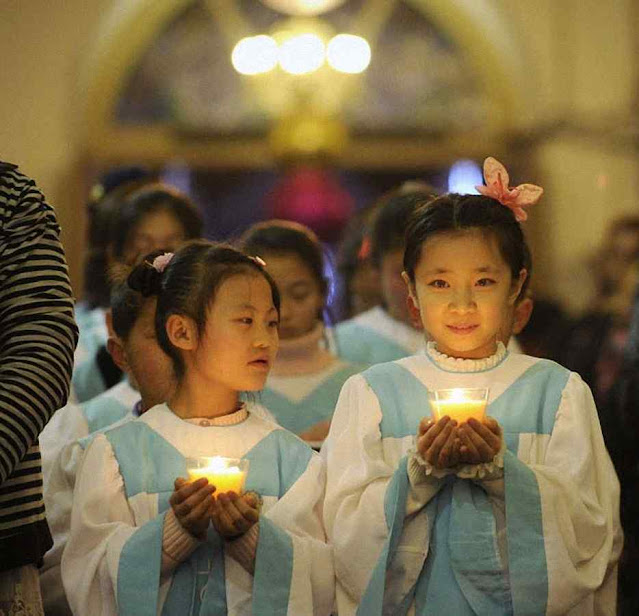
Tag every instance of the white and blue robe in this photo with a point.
(374, 337)
(300, 402)
(87, 380)
(75, 421)
(66, 438)
(113, 556)
(540, 535)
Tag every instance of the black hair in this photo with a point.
(147, 200)
(126, 302)
(389, 226)
(125, 308)
(106, 200)
(188, 285)
(454, 213)
(287, 237)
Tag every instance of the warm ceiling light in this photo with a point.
(303, 8)
(302, 54)
(348, 53)
(255, 55)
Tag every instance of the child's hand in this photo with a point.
(234, 514)
(438, 443)
(480, 441)
(192, 504)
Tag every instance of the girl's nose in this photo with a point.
(263, 337)
(463, 300)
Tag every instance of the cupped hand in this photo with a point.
(233, 514)
(192, 504)
(480, 440)
(438, 443)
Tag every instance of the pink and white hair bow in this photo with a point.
(516, 199)
(160, 262)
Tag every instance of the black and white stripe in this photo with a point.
(37, 339)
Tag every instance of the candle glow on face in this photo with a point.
(459, 404)
(226, 474)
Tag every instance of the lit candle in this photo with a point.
(226, 474)
(459, 404)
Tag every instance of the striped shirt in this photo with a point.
(37, 339)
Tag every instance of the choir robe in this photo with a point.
(374, 337)
(65, 439)
(113, 556)
(540, 535)
(300, 402)
(75, 421)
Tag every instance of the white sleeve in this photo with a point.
(358, 475)
(579, 494)
(67, 425)
(299, 514)
(101, 523)
(58, 499)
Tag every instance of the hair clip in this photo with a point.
(161, 261)
(258, 260)
(515, 199)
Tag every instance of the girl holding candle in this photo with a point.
(304, 383)
(515, 514)
(144, 539)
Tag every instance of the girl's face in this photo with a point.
(300, 294)
(465, 292)
(240, 340)
(159, 230)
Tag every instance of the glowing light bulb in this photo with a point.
(255, 55)
(302, 54)
(348, 53)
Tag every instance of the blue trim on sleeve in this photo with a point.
(273, 570)
(395, 512)
(139, 570)
(526, 549)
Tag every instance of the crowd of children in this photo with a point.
(356, 500)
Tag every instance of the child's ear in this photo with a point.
(108, 318)
(517, 285)
(182, 332)
(523, 310)
(115, 346)
(412, 293)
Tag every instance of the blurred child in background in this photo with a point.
(134, 221)
(304, 383)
